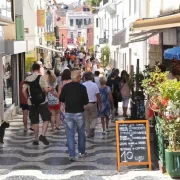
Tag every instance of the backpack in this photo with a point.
(36, 95)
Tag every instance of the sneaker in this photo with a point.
(107, 130)
(104, 132)
(92, 132)
(36, 143)
(25, 130)
(82, 155)
(43, 139)
(72, 159)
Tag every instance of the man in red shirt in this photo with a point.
(24, 105)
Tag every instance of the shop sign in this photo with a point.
(50, 37)
(40, 18)
(154, 40)
(103, 41)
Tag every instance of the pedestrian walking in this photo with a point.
(66, 78)
(24, 105)
(96, 78)
(107, 104)
(74, 95)
(113, 83)
(34, 89)
(42, 71)
(53, 100)
(88, 65)
(94, 101)
(125, 92)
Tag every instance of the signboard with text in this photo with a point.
(133, 143)
(103, 41)
(40, 18)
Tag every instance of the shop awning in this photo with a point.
(48, 48)
(143, 29)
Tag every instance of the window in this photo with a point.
(77, 22)
(71, 35)
(130, 8)
(135, 6)
(89, 21)
(6, 10)
(71, 22)
(85, 21)
(97, 22)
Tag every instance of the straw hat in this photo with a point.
(75, 74)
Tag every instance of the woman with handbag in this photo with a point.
(53, 100)
(124, 91)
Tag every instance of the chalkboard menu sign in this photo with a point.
(133, 144)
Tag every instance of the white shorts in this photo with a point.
(125, 101)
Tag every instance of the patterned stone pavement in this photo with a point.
(19, 159)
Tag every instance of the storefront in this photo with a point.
(12, 63)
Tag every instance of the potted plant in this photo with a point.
(170, 123)
(164, 99)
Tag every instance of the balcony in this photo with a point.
(109, 6)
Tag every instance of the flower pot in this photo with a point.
(172, 163)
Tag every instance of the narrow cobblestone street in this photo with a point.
(19, 159)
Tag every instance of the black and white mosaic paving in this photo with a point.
(19, 159)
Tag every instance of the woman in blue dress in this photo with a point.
(107, 104)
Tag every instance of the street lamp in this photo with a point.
(62, 41)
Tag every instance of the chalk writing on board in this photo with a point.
(133, 143)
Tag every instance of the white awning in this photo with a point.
(48, 48)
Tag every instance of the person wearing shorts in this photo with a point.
(24, 105)
(36, 110)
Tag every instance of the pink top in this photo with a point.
(66, 82)
(125, 91)
(23, 100)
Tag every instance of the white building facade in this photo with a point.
(115, 18)
(78, 22)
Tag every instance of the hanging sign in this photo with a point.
(133, 143)
(40, 18)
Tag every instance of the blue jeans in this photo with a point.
(73, 120)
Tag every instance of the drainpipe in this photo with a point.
(1, 90)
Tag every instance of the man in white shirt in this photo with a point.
(91, 108)
(81, 57)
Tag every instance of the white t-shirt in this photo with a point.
(92, 90)
(94, 68)
(81, 55)
(96, 79)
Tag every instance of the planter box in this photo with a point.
(173, 163)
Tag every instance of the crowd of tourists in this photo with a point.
(76, 93)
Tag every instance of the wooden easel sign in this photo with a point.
(133, 143)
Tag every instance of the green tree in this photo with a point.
(105, 56)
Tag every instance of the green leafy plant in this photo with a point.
(164, 98)
(105, 56)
